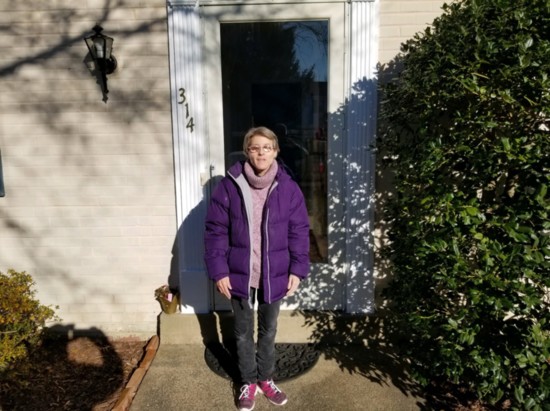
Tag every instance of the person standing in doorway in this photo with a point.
(257, 252)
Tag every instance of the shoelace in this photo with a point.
(273, 387)
(245, 392)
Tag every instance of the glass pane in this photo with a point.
(274, 74)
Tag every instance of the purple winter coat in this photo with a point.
(285, 234)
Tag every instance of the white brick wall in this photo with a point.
(89, 208)
(400, 20)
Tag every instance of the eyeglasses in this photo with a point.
(256, 149)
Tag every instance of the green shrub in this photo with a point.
(466, 129)
(22, 317)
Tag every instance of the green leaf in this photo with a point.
(469, 225)
(472, 211)
(453, 323)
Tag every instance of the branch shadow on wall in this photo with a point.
(58, 58)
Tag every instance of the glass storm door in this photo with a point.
(282, 66)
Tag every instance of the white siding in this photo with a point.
(400, 20)
(89, 210)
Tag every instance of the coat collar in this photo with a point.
(236, 170)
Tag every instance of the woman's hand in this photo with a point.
(224, 287)
(293, 283)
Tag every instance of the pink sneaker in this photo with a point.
(272, 392)
(246, 399)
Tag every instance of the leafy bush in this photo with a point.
(466, 129)
(22, 317)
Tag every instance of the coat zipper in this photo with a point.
(266, 251)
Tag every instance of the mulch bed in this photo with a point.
(83, 373)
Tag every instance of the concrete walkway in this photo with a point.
(344, 379)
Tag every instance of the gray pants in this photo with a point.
(255, 363)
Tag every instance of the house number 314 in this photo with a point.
(189, 118)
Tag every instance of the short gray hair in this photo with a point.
(260, 131)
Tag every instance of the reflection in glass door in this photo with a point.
(274, 74)
(282, 66)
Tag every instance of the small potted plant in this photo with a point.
(169, 301)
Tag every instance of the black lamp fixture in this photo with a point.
(101, 47)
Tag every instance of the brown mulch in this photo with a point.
(83, 373)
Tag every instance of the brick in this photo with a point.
(136, 378)
(153, 343)
(125, 399)
(147, 359)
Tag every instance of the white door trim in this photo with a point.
(190, 156)
(361, 161)
(358, 109)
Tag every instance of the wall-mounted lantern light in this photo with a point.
(101, 47)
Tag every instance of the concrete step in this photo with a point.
(293, 327)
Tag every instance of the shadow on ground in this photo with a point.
(291, 360)
(367, 346)
(70, 371)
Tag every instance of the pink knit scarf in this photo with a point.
(259, 188)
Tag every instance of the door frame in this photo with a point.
(310, 293)
(351, 236)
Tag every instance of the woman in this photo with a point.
(257, 250)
